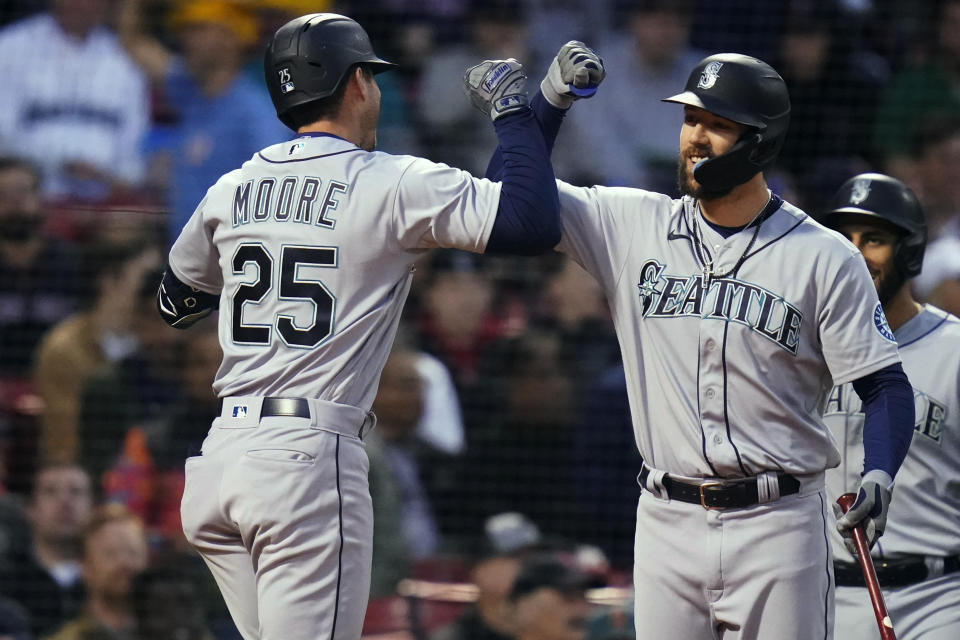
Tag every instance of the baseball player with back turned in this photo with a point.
(918, 559)
(736, 315)
(308, 250)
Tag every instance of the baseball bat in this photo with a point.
(869, 572)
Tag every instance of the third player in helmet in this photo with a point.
(918, 559)
(883, 218)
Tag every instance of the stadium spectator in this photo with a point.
(572, 302)
(607, 493)
(146, 472)
(220, 116)
(167, 606)
(423, 475)
(139, 389)
(391, 555)
(101, 332)
(548, 600)
(832, 102)
(638, 147)
(457, 321)
(506, 540)
(37, 272)
(453, 131)
(46, 578)
(72, 100)
(520, 457)
(114, 552)
(933, 177)
(925, 88)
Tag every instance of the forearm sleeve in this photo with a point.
(528, 218)
(549, 118)
(888, 418)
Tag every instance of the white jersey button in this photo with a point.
(711, 393)
(711, 345)
(718, 439)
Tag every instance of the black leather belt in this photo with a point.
(721, 494)
(891, 572)
(285, 407)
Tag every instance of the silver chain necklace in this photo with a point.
(701, 250)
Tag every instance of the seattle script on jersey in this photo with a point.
(667, 296)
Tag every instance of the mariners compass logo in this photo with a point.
(709, 76)
(649, 277)
(860, 191)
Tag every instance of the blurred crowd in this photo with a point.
(504, 455)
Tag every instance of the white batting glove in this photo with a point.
(870, 509)
(575, 73)
(497, 87)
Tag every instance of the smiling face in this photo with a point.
(877, 241)
(703, 136)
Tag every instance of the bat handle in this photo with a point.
(869, 573)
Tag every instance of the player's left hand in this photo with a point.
(870, 509)
(497, 87)
(576, 72)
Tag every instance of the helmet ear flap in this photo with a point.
(733, 167)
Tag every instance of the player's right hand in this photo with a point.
(870, 509)
(497, 87)
(575, 73)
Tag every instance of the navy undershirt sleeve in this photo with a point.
(549, 118)
(528, 217)
(888, 418)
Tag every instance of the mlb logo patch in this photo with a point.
(287, 87)
(240, 411)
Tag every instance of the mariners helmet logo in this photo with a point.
(861, 189)
(708, 77)
(649, 278)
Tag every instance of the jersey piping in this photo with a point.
(323, 155)
(726, 416)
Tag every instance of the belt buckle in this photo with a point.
(703, 498)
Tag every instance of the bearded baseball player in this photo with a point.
(918, 559)
(736, 314)
(308, 251)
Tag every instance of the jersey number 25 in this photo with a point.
(292, 287)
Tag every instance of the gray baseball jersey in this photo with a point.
(728, 377)
(310, 246)
(282, 241)
(924, 517)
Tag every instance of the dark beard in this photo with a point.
(699, 192)
(888, 285)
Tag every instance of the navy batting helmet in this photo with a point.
(309, 57)
(879, 196)
(747, 91)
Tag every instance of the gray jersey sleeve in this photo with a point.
(193, 257)
(854, 333)
(599, 224)
(440, 206)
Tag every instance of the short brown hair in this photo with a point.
(107, 514)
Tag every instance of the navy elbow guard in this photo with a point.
(181, 305)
